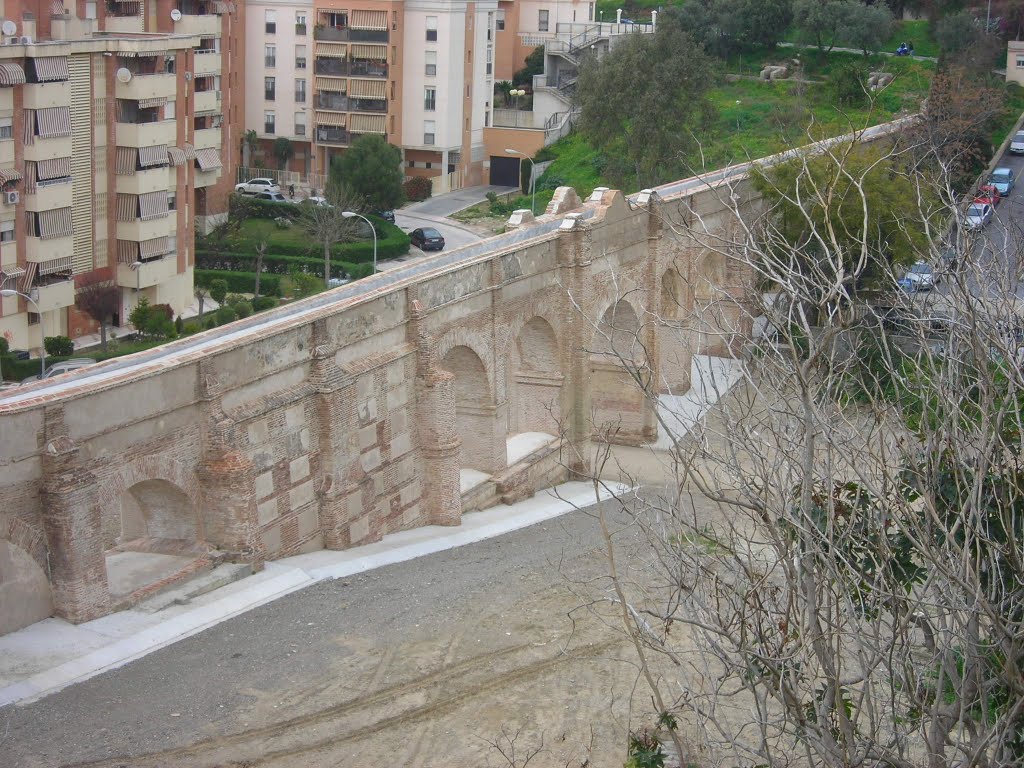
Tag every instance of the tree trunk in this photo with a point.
(259, 270)
(202, 299)
(327, 264)
(103, 336)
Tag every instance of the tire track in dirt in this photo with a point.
(409, 702)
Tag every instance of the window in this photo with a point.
(337, 20)
(428, 132)
(6, 127)
(33, 318)
(429, 99)
(487, 119)
(490, 64)
(270, 22)
(172, 244)
(300, 123)
(270, 55)
(269, 88)
(172, 201)
(542, 21)
(300, 57)
(499, 21)
(300, 91)
(431, 63)
(432, 29)
(169, 110)
(490, 27)
(590, 13)
(6, 231)
(1020, 62)
(269, 123)
(300, 23)
(394, 54)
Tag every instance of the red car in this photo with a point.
(988, 194)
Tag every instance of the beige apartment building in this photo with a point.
(113, 143)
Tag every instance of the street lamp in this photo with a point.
(10, 292)
(351, 214)
(516, 93)
(533, 180)
(135, 266)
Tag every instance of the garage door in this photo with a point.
(504, 171)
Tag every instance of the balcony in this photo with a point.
(368, 69)
(145, 181)
(206, 178)
(207, 138)
(53, 193)
(7, 151)
(368, 105)
(338, 136)
(115, 24)
(207, 101)
(37, 249)
(146, 230)
(42, 95)
(330, 66)
(347, 35)
(146, 134)
(45, 149)
(148, 87)
(334, 101)
(207, 63)
(207, 25)
(57, 294)
(149, 273)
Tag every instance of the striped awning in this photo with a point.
(368, 89)
(52, 122)
(208, 159)
(127, 251)
(57, 8)
(55, 223)
(158, 246)
(367, 124)
(11, 74)
(125, 161)
(189, 150)
(377, 20)
(51, 68)
(153, 205)
(176, 156)
(334, 119)
(333, 84)
(207, 113)
(331, 50)
(8, 175)
(127, 207)
(151, 156)
(53, 168)
(158, 101)
(63, 264)
(10, 273)
(29, 277)
(370, 52)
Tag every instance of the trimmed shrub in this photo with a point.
(225, 314)
(246, 207)
(240, 281)
(417, 188)
(278, 265)
(218, 290)
(243, 309)
(263, 303)
(58, 346)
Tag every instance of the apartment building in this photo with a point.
(522, 25)
(279, 80)
(112, 145)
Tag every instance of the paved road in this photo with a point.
(415, 664)
(452, 202)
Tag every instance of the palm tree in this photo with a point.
(250, 141)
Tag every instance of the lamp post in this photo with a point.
(516, 93)
(352, 214)
(8, 293)
(533, 180)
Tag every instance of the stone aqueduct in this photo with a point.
(380, 406)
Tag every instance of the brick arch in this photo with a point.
(462, 337)
(26, 537)
(149, 472)
(535, 377)
(617, 330)
(675, 295)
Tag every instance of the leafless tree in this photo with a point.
(835, 564)
(100, 299)
(261, 251)
(202, 293)
(326, 225)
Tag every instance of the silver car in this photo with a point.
(64, 366)
(1017, 144)
(977, 216)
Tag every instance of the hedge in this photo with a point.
(240, 282)
(278, 265)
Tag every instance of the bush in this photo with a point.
(190, 327)
(849, 83)
(359, 271)
(243, 309)
(218, 290)
(263, 303)
(179, 325)
(225, 314)
(58, 346)
(239, 281)
(245, 207)
(5, 346)
(417, 188)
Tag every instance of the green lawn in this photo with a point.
(256, 230)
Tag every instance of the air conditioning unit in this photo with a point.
(26, 40)
(12, 41)
(12, 197)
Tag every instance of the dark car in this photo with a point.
(427, 239)
(388, 216)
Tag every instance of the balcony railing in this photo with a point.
(369, 105)
(368, 69)
(300, 29)
(331, 101)
(269, 94)
(347, 35)
(330, 66)
(332, 135)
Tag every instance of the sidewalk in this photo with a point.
(453, 202)
(50, 655)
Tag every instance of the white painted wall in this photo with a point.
(559, 12)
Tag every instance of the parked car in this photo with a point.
(427, 239)
(272, 197)
(1017, 143)
(1002, 179)
(255, 186)
(64, 366)
(921, 277)
(319, 201)
(978, 215)
(988, 194)
(388, 216)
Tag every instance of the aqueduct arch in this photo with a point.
(622, 414)
(483, 449)
(535, 379)
(25, 596)
(675, 341)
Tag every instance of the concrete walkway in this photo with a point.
(858, 51)
(453, 202)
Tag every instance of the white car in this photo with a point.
(977, 216)
(319, 201)
(1017, 144)
(921, 277)
(255, 186)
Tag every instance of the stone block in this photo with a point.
(360, 529)
(272, 540)
(259, 432)
(367, 411)
(397, 397)
(401, 444)
(370, 460)
(301, 495)
(309, 522)
(264, 485)
(364, 387)
(367, 437)
(295, 417)
(298, 469)
(266, 511)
